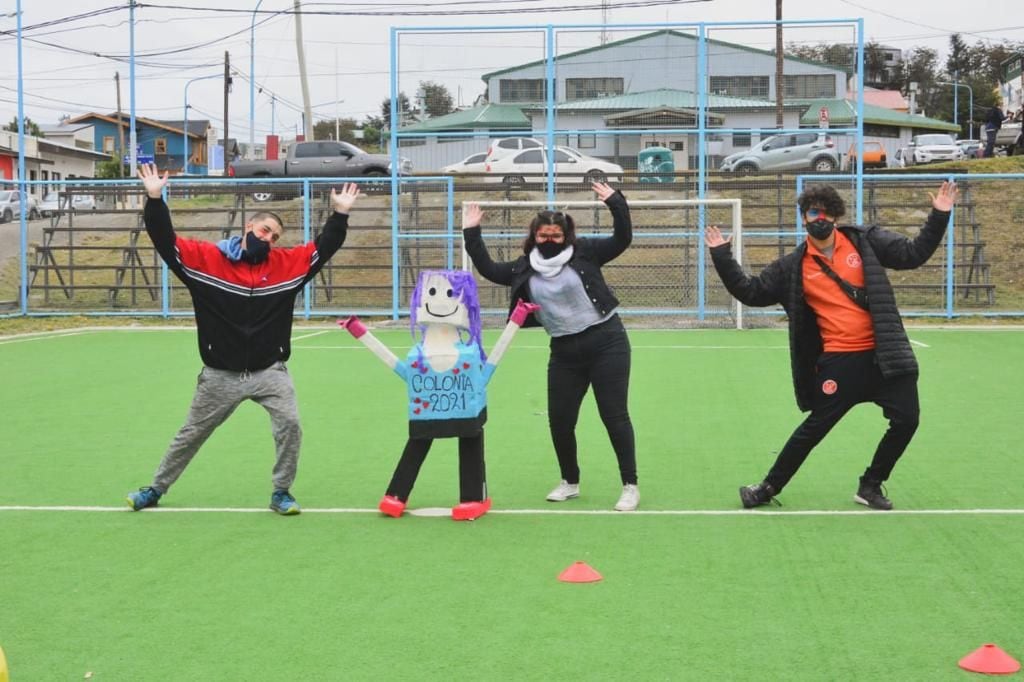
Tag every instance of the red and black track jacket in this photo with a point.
(243, 311)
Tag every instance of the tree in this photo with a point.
(30, 127)
(403, 110)
(111, 169)
(325, 130)
(437, 101)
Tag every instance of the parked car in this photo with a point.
(1009, 137)
(814, 151)
(930, 148)
(506, 146)
(317, 159)
(971, 149)
(474, 163)
(531, 165)
(874, 156)
(10, 205)
(55, 201)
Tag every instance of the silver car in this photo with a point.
(10, 206)
(796, 151)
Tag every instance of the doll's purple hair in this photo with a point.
(463, 287)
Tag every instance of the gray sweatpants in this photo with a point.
(218, 393)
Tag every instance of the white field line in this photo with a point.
(919, 343)
(37, 337)
(444, 511)
(308, 336)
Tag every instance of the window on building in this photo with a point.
(875, 130)
(739, 86)
(588, 141)
(741, 140)
(591, 88)
(522, 89)
(809, 86)
(108, 144)
(160, 145)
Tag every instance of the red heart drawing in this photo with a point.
(416, 411)
(465, 365)
(415, 400)
(415, 364)
(455, 371)
(425, 404)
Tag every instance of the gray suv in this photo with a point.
(797, 151)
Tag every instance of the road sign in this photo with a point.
(140, 159)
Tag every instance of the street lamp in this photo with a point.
(252, 79)
(970, 92)
(184, 125)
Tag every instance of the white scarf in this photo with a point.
(549, 267)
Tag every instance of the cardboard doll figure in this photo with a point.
(446, 375)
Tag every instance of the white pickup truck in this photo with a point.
(1009, 138)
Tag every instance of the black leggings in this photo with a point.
(844, 380)
(472, 474)
(598, 356)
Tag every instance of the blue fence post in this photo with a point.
(307, 195)
(23, 226)
(393, 149)
(859, 142)
(950, 254)
(702, 105)
(549, 75)
(450, 228)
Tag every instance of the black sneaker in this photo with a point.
(870, 494)
(756, 495)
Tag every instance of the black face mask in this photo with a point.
(550, 249)
(256, 250)
(820, 228)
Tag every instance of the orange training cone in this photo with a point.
(579, 572)
(991, 660)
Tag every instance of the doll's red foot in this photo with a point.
(467, 511)
(392, 506)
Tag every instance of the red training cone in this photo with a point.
(579, 572)
(991, 660)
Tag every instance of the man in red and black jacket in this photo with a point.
(243, 292)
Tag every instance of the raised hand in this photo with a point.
(946, 198)
(342, 201)
(472, 215)
(602, 190)
(152, 180)
(713, 237)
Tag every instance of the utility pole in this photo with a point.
(307, 121)
(779, 65)
(227, 89)
(120, 127)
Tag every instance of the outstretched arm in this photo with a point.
(515, 322)
(900, 253)
(354, 326)
(156, 215)
(499, 273)
(609, 248)
(762, 290)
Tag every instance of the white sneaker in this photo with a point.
(564, 491)
(629, 500)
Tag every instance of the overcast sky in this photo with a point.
(60, 80)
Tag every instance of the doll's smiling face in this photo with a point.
(439, 305)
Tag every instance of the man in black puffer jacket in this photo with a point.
(846, 337)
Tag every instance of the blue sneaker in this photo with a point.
(283, 503)
(145, 497)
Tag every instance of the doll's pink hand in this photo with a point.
(353, 326)
(522, 311)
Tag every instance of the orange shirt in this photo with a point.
(844, 325)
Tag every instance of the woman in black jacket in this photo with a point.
(589, 346)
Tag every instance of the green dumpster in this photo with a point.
(655, 164)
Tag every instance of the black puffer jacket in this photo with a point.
(589, 254)
(782, 283)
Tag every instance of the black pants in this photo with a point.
(472, 475)
(844, 380)
(598, 357)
